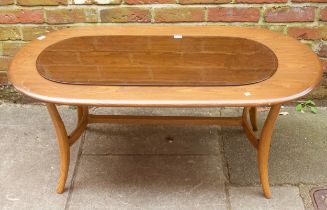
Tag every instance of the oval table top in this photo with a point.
(157, 61)
(298, 70)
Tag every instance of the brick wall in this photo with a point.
(24, 20)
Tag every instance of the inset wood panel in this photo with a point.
(157, 61)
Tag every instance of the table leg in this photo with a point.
(247, 128)
(66, 141)
(253, 118)
(63, 142)
(80, 113)
(264, 147)
(262, 144)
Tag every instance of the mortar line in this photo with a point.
(78, 160)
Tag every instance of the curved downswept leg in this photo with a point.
(82, 112)
(253, 118)
(247, 128)
(82, 116)
(64, 147)
(264, 147)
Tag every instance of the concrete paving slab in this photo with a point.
(250, 198)
(152, 139)
(157, 167)
(32, 115)
(29, 164)
(157, 111)
(298, 146)
(149, 182)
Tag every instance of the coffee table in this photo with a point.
(165, 66)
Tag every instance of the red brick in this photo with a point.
(21, 16)
(166, 15)
(260, 1)
(150, 1)
(125, 14)
(40, 2)
(6, 2)
(71, 16)
(323, 51)
(290, 14)
(307, 33)
(224, 14)
(323, 14)
(324, 65)
(304, 33)
(314, 1)
(204, 1)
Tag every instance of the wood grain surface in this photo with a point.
(157, 61)
(299, 71)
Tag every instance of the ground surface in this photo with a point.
(158, 167)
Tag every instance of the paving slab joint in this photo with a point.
(222, 150)
(78, 160)
(228, 201)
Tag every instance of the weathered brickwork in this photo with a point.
(24, 20)
(41, 3)
(290, 14)
(125, 15)
(306, 33)
(323, 51)
(14, 16)
(74, 15)
(227, 14)
(181, 14)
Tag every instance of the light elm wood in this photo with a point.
(264, 147)
(262, 144)
(157, 61)
(82, 118)
(298, 72)
(66, 141)
(164, 120)
(64, 148)
(80, 113)
(253, 118)
(248, 131)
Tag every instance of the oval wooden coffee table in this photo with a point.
(166, 66)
